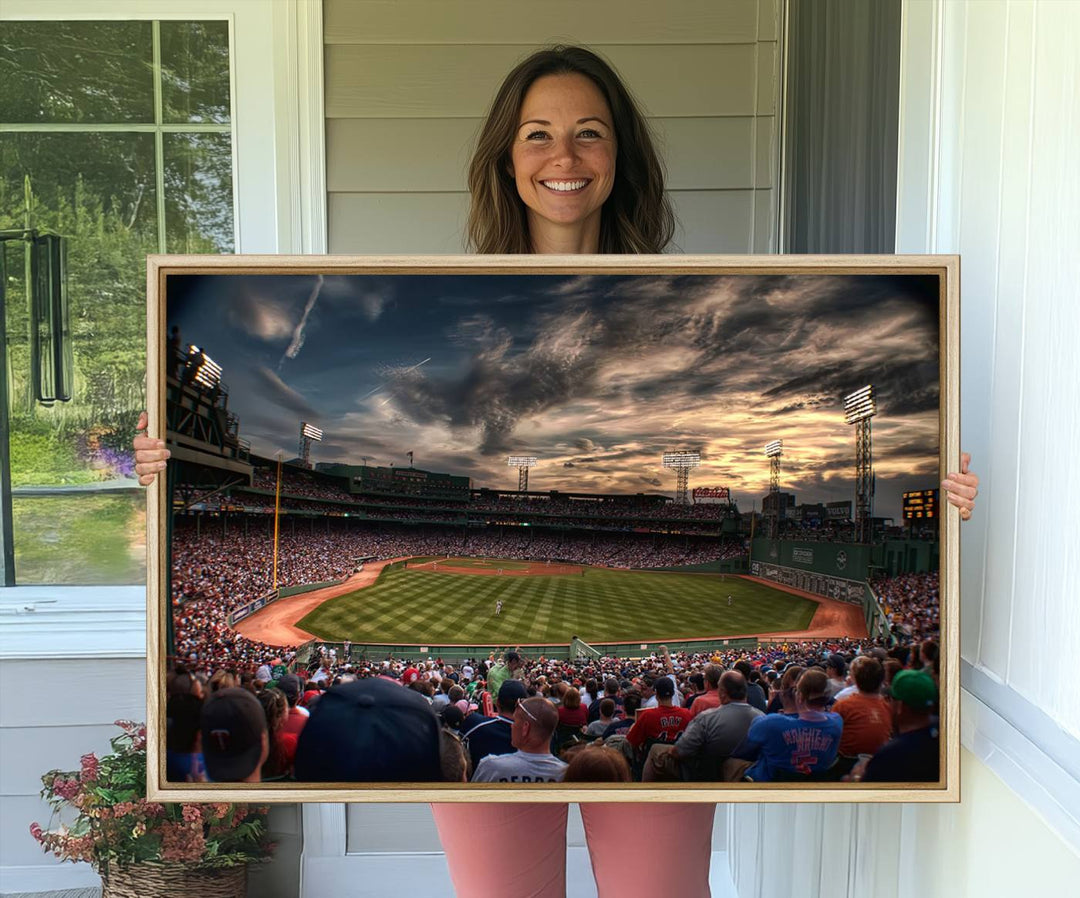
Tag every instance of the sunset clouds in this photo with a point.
(597, 375)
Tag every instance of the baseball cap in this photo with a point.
(664, 688)
(290, 685)
(369, 731)
(233, 723)
(916, 689)
(511, 691)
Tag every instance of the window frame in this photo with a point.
(279, 206)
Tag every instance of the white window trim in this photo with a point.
(1026, 748)
(280, 201)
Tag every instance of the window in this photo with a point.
(118, 136)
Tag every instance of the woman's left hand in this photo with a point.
(962, 487)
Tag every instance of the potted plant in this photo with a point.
(144, 848)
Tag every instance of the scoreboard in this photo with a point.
(920, 505)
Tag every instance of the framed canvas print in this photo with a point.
(553, 528)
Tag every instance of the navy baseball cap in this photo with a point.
(370, 731)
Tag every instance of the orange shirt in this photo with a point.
(867, 723)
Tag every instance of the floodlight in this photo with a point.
(312, 433)
(522, 463)
(774, 449)
(682, 458)
(207, 372)
(860, 405)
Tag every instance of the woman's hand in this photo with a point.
(962, 488)
(150, 454)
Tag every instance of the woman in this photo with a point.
(565, 164)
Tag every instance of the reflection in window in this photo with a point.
(117, 136)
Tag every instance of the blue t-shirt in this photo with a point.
(779, 743)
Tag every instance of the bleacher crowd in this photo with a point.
(793, 712)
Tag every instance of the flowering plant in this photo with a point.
(115, 824)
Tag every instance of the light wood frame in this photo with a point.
(947, 268)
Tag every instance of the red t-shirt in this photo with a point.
(576, 718)
(294, 723)
(659, 724)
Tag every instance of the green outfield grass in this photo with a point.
(411, 606)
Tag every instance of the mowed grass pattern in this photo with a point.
(423, 607)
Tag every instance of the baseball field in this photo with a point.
(453, 601)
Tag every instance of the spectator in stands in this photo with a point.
(662, 723)
(507, 669)
(571, 712)
(631, 705)
(755, 695)
(485, 736)
(370, 730)
(914, 755)
(534, 723)
(290, 687)
(597, 764)
(597, 728)
(710, 698)
(836, 670)
(782, 747)
(235, 742)
(866, 713)
(183, 757)
(279, 761)
(696, 682)
(709, 740)
(611, 690)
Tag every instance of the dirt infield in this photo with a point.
(276, 623)
(483, 568)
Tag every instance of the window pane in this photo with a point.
(198, 193)
(97, 190)
(195, 72)
(81, 539)
(76, 72)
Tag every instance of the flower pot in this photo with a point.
(173, 881)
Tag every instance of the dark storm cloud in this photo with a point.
(599, 375)
(274, 390)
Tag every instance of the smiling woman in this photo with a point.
(561, 117)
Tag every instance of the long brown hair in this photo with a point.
(637, 216)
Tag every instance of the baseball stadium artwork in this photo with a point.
(553, 528)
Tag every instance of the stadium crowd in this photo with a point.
(791, 712)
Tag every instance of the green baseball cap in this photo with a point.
(916, 689)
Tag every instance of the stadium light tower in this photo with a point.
(859, 408)
(681, 461)
(202, 369)
(773, 451)
(522, 463)
(308, 435)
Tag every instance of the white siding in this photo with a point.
(408, 83)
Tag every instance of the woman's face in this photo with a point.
(563, 155)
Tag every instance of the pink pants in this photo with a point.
(519, 850)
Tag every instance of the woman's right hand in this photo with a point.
(150, 454)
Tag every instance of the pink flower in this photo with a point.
(192, 814)
(36, 832)
(65, 788)
(89, 767)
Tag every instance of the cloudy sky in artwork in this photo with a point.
(596, 375)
